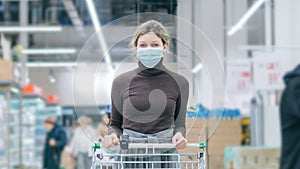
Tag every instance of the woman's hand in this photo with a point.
(110, 141)
(179, 141)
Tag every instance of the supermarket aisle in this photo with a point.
(59, 58)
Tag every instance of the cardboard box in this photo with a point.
(216, 162)
(6, 70)
(218, 133)
(195, 123)
(9, 71)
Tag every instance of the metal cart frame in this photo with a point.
(119, 159)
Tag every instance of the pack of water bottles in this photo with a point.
(199, 111)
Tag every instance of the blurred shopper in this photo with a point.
(55, 142)
(290, 121)
(103, 127)
(82, 141)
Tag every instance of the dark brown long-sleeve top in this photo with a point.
(149, 101)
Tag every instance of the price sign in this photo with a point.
(239, 77)
(268, 74)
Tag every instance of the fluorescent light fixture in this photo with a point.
(97, 26)
(12, 29)
(52, 78)
(263, 47)
(245, 18)
(48, 51)
(50, 64)
(197, 68)
(94, 16)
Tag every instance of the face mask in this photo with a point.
(149, 56)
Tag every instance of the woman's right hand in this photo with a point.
(110, 141)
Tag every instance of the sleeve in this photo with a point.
(116, 112)
(61, 140)
(181, 107)
(296, 99)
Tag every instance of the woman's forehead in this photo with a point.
(150, 36)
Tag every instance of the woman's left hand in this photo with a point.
(179, 141)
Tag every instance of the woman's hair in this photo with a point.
(151, 26)
(108, 115)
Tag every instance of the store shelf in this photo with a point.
(33, 107)
(10, 99)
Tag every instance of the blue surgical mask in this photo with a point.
(149, 56)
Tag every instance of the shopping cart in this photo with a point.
(121, 159)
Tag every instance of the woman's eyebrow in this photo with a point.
(155, 41)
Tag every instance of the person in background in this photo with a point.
(55, 142)
(290, 121)
(103, 127)
(82, 141)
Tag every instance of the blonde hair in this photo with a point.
(151, 26)
(84, 120)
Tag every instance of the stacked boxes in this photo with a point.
(220, 133)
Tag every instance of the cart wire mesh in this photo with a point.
(150, 155)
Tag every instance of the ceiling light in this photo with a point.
(99, 33)
(197, 68)
(48, 51)
(51, 64)
(30, 28)
(52, 78)
(245, 18)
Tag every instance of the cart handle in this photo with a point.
(201, 145)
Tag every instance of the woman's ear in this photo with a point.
(165, 49)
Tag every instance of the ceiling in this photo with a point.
(78, 31)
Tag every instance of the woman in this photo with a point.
(149, 101)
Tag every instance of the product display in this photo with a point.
(10, 109)
(33, 105)
(3, 132)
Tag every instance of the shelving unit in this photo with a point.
(33, 105)
(10, 128)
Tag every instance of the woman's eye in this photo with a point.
(142, 45)
(155, 45)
